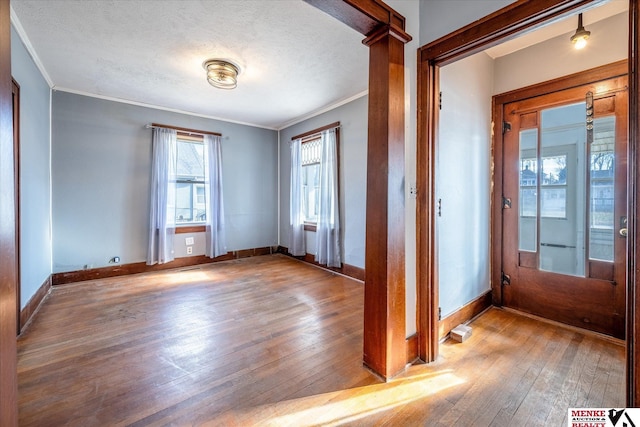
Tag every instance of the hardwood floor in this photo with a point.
(272, 341)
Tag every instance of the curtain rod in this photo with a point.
(315, 131)
(184, 130)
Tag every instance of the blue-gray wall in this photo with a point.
(441, 17)
(35, 171)
(101, 163)
(353, 176)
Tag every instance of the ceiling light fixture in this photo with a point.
(579, 39)
(221, 73)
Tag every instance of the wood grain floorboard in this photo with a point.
(271, 341)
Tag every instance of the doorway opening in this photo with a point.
(490, 31)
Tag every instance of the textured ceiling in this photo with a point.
(295, 59)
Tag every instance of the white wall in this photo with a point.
(35, 171)
(463, 181)
(101, 163)
(353, 176)
(557, 57)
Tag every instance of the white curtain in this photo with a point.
(163, 196)
(296, 221)
(328, 226)
(215, 240)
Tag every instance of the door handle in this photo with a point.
(623, 226)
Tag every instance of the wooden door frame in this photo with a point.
(15, 98)
(482, 34)
(8, 304)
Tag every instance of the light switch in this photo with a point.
(188, 241)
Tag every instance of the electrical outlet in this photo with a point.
(188, 241)
(189, 250)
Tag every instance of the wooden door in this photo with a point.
(564, 206)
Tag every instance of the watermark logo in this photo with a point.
(603, 417)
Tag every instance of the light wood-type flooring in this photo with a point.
(271, 341)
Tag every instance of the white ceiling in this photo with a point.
(295, 59)
(566, 26)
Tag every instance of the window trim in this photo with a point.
(189, 228)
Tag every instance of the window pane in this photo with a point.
(528, 201)
(310, 152)
(190, 194)
(601, 191)
(563, 204)
(184, 212)
(190, 160)
(310, 192)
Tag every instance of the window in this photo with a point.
(310, 155)
(314, 198)
(190, 194)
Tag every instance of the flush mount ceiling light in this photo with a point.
(579, 39)
(221, 74)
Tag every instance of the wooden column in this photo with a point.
(384, 299)
(384, 294)
(8, 356)
(633, 276)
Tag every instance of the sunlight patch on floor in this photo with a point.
(350, 405)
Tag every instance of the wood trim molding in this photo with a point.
(190, 229)
(494, 28)
(29, 311)
(8, 294)
(186, 130)
(604, 72)
(412, 349)
(142, 267)
(426, 244)
(464, 314)
(346, 269)
(633, 241)
(364, 16)
(15, 100)
(316, 131)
